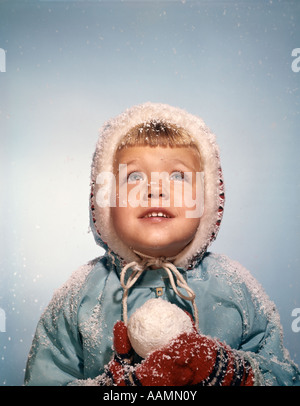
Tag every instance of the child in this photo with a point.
(155, 215)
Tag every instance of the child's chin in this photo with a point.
(163, 249)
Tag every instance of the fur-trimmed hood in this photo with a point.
(110, 136)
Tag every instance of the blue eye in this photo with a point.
(177, 176)
(134, 177)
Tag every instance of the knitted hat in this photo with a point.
(112, 133)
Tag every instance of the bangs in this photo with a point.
(156, 134)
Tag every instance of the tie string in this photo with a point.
(147, 261)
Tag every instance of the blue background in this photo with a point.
(71, 65)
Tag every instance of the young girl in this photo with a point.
(156, 204)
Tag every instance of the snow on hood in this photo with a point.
(111, 134)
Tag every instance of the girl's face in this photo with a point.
(152, 211)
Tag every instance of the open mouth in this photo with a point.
(156, 214)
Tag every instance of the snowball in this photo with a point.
(155, 324)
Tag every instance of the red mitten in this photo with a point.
(194, 359)
(117, 370)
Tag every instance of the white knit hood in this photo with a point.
(112, 133)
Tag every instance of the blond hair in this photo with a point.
(157, 134)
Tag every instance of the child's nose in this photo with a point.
(157, 195)
(156, 191)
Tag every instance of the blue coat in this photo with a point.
(73, 340)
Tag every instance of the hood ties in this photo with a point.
(146, 262)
